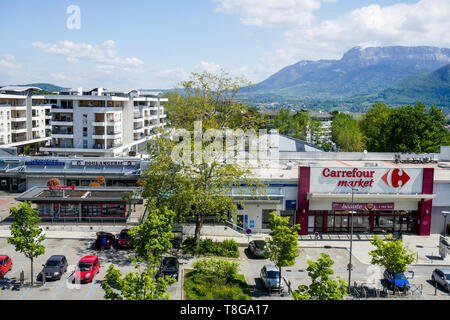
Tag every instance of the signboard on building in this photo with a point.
(366, 180)
(363, 206)
(42, 162)
(61, 188)
(104, 163)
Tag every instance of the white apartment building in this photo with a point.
(103, 123)
(24, 117)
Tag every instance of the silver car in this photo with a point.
(270, 276)
(442, 277)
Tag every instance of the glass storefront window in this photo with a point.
(114, 210)
(68, 209)
(92, 210)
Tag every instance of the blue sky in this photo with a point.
(156, 44)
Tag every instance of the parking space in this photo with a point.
(74, 249)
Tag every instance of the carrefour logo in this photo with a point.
(397, 178)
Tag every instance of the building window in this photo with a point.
(68, 210)
(84, 131)
(265, 218)
(85, 119)
(117, 210)
(85, 143)
(92, 210)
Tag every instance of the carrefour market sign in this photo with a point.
(366, 180)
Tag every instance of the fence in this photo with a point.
(368, 291)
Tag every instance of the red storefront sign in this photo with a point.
(362, 206)
(61, 188)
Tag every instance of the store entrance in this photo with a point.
(364, 222)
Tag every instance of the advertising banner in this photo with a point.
(366, 180)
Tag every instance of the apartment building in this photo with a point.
(24, 118)
(98, 122)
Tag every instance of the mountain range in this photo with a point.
(396, 74)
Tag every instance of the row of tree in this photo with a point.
(411, 129)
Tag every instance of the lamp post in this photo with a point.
(351, 243)
(445, 213)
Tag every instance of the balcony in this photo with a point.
(19, 130)
(61, 123)
(19, 119)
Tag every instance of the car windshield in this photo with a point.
(1, 263)
(124, 235)
(273, 274)
(52, 263)
(260, 244)
(447, 276)
(84, 266)
(170, 265)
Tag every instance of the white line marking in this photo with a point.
(23, 294)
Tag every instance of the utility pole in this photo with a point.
(350, 267)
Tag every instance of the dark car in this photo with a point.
(123, 241)
(401, 282)
(169, 267)
(104, 240)
(258, 248)
(54, 268)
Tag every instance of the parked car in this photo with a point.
(123, 240)
(5, 265)
(54, 268)
(258, 248)
(87, 268)
(442, 277)
(400, 280)
(169, 267)
(104, 240)
(270, 276)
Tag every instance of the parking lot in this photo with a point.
(74, 249)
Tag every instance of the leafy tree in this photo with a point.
(152, 238)
(25, 232)
(150, 241)
(406, 129)
(195, 188)
(391, 254)
(211, 98)
(345, 133)
(53, 182)
(282, 246)
(136, 285)
(322, 287)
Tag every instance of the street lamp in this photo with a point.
(445, 213)
(351, 243)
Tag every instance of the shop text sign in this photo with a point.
(105, 163)
(362, 206)
(366, 180)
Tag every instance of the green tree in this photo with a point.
(282, 245)
(151, 239)
(346, 134)
(391, 254)
(25, 232)
(406, 129)
(211, 98)
(136, 285)
(322, 287)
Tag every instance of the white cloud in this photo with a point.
(103, 53)
(272, 13)
(210, 67)
(8, 63)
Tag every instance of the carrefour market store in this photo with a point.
(381, 199)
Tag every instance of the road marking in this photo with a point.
(93, 283)
(23, 294)
(65, 244)
(60, 287)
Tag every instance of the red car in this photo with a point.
(5, 265)
(87, 268)
(123, 241)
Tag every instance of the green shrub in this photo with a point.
(226, 248)
(222, 269)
